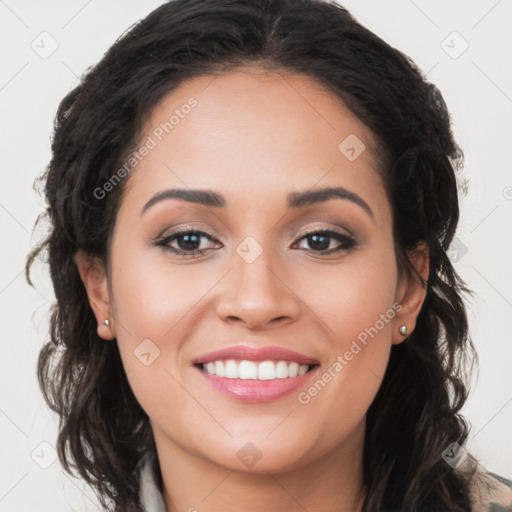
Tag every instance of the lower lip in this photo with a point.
(251, 390)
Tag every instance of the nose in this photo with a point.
(257, 295)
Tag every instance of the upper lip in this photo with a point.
(244, 352)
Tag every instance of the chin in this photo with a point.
(258, 456)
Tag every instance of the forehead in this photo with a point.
(253, 130)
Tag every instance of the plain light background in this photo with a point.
(476, 83)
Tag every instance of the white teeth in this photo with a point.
(293, 369)
(263, 370)
(282, 370)
(219, 369)
(247, 370)
(231, 369)
(266, 370)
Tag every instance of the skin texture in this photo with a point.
(254, 137)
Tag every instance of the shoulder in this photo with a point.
(489, 492)
(150, 484)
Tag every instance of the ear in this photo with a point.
(93, 275)
(411, 291)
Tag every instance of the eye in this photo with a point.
(188, 241)
(320, 240)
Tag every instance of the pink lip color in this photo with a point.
(242, 352)
(251, 390)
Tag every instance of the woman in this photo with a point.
(251, 204)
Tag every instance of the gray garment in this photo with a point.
(150, 490)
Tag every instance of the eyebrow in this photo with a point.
(308, 197)
(294, 199)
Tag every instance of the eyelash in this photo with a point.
(348, 243)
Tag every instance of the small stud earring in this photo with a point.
(403, 330)
(106, 322)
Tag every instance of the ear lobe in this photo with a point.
(411, 291)
(93, 275)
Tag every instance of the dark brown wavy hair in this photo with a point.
(103, 430)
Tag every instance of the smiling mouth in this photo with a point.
(255, 370)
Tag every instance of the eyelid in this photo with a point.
(331, 228)
(171, 231)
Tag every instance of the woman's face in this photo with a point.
(330, 300)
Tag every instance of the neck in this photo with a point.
(331, 482)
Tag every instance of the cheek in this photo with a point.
(357, 304)
(155, 306)
(350, 297)
(153, 295)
